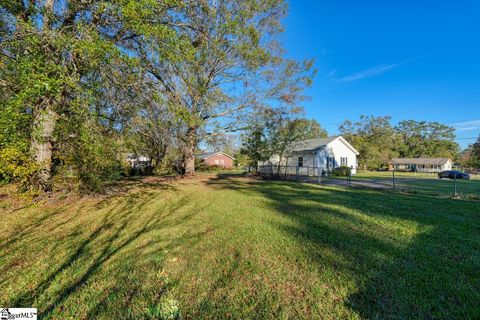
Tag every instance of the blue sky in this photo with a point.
(408, 59)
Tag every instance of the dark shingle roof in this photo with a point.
(427, 161)
(313, 144)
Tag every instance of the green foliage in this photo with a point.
(312, 129)
(378, 141)
(277, 132)
(241, 160)
(89, 81)
(94, 156)
(342, 171)
(209, 168)
(426, 139)
(474, 157)
(17, 166)
(374, 138)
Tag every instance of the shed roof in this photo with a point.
(209, 154)
(422, 161)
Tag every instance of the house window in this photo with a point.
(222, 161)
(300, 161)
(343, 161)
(408, 166)
(216, 161)
(330, 162)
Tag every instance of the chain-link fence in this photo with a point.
(425, 183)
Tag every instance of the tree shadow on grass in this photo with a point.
(410, 256)
(115, 241)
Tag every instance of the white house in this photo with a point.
(421, 164)
(320, 155)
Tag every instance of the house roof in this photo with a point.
(209, 154)
(428, 161)
(314, 144)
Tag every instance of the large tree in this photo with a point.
(65, 62)
(426, 139)
(374, 138)
(227, 63)
(277, 132)
(473, 152)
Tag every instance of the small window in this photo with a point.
(222, 161)
(330, 162)
(300, 161)
(216, 161)
(344, 161)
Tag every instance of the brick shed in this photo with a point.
(218, 158)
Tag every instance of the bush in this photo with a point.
(207, 168)
(16, 166)
(342, 171)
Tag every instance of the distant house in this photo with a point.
(137, 160)
(218, 158)
(323, 154)
(421, 164)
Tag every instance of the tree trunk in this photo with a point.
(189, 153)
(41, 144)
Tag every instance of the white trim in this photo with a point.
(221, 152)
(345, 142)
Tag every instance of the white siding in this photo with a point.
(318, 159)
(337, 149)
(447, 166)
(308, 159)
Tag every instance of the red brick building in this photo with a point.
(218, 158)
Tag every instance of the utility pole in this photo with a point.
(455, 185)
(393, 178)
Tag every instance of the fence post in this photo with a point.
(298, 172)
(454, 185)
(319, 179)
(349, 178)
(393, 178)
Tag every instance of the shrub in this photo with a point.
(16, 166)
(342, 171)
(208, 168)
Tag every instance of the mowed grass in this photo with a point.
(424, 183)
(227, 247)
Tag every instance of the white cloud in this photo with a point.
(373, 71)
(367, 73)
(467, 125)
(467, 129)
(332, 73)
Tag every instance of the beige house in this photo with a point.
(421, 164)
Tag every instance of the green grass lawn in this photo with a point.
(228, 247)
(424, 183)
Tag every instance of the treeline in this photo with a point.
(470, 157)
(84, 83)
(378, 141)
(277, 133)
